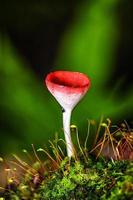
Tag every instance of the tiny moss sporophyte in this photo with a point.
(68, 88)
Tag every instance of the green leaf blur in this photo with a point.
(27, 110)
(89, 46)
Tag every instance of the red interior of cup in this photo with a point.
(67, 80)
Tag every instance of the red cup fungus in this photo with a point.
(68, 88)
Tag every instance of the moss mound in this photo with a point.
(96, 179)
(104, 173)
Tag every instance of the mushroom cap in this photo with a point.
(67, 87)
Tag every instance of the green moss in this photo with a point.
(97, 180)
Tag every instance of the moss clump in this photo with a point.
(107, 175)
(95, 180)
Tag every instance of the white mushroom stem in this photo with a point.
(66, 126)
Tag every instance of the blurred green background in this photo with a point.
(36, 37)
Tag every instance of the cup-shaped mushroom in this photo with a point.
(67, 87)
